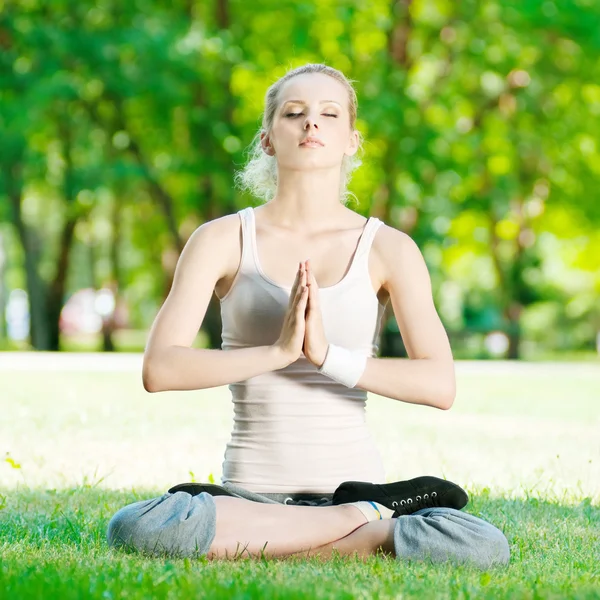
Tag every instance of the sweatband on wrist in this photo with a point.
(343, 365)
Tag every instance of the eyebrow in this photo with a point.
(302, 102)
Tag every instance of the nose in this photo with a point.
(310, 121)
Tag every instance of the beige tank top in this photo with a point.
(295, 429)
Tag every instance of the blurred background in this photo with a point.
(122, 123)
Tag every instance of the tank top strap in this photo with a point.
(367, 237)
(248, 262)
(246, 216)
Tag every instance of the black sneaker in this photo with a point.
(405, 497)
(197, 488)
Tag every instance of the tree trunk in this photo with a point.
(57, 287)
(36, 287)
(107, 320)
(109, 324)
(513, 316)
(56, 290)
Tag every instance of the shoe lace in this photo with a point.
(419, 502)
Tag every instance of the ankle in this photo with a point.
(354, 514)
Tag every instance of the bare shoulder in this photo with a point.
(221, 226)
(396, 253)
(221, 235)
(390, 238)
(200, 266)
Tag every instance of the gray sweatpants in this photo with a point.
(183, 525)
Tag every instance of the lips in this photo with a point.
(312, 141)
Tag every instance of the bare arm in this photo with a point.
(428, 376)
(170, 363)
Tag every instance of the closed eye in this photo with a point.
(297, 114)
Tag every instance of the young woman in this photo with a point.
(303, 282)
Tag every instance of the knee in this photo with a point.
(485, 545)
(444, 534)
(123, 528)
(494, 549)
(174, 524)
(136, 526)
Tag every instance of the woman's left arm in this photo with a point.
(428, 376)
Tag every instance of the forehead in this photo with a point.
(313, 87)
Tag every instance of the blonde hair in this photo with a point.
(259, 176)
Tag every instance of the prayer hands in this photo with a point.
(315, 343)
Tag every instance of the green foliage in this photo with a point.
(481, 121)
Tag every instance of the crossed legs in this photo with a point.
(220, 527)
(255, 529)
(371, 538)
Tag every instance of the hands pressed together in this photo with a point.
(302, 329)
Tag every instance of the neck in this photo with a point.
(307, 202)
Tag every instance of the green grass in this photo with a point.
(79, 446)
(53, 547)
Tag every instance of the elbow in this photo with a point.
(150, 378)
(149, 385)
(446, 396)
(446, 403)
(446, 389)
(446, 400)
(149, 382)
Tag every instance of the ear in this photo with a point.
(265, 142)
(353, 143)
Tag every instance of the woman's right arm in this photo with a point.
(170, 363)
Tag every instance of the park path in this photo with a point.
(128, 362)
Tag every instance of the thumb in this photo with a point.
(307, 302)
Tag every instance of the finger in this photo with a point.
(309, 273)
(299, 306)
(305, 303)
(302, 299)
(297, 279)
(299, 286)
(302, 280)
(309, 300)
(296, 285)
(299, 296)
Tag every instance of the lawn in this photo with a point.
(81, 438)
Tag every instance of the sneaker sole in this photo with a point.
(197, 488)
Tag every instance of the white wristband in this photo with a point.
(343, 365)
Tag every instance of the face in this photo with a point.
(315, 105)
